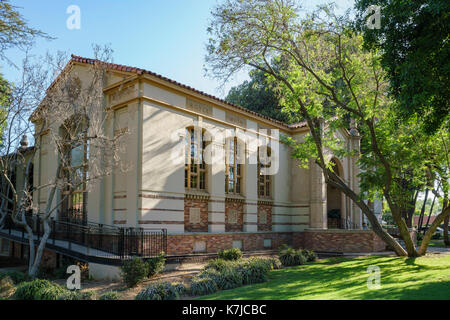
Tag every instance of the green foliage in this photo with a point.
(155, 265)
(110, 295)
(202, 286)
(345, 279)
(260, 95)
(39, 289)
(77, 295)
(292, 257)
(6, 287)
(161, 291)
(436, 236)
(228, 274)
(134, 271)
(217, 264)
(413, 40)
(322, 72)
(227, 278)
(15, 31)
(255, 270)
(276, 263)
(16, 276)
(310, 255)
(230, 254)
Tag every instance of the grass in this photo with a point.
(426, 277)
(434, 244)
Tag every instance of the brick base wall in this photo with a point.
(199, 204)
(184, 244)
(266, 210)
(239, 225)
(342, 241)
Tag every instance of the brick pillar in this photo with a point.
(216, 188)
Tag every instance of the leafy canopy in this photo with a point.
(415, 52)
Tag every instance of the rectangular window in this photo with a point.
(233, 172)
(264, 181)
(195, 166)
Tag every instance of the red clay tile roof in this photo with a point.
(124, 68)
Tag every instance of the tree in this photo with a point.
(14, 31)
(326, 75)
(65, 115)
(258, 95)
(415, 52)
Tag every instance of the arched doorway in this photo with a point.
(334, 199)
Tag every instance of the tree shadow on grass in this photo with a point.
(437, 290)
(347, 279)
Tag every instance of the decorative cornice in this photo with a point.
(196, 195)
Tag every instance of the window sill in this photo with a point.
(234, 197)
(196, 194)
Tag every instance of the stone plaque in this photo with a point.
(267, 243)
(263, 217)
(237, 244)
(199, 246)
(234, 119)
(194, 215)
(233, 217)
(123, 95)
(199, 107)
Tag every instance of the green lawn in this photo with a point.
(341, 278)
(434, 244)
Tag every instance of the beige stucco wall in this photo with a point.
(148, 190)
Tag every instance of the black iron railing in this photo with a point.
(91, 240)
(340, 223)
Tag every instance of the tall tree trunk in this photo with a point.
(429, 214)
(446, 241)
(376, 227)
(40, 250)
(405, 234)
(427, 237)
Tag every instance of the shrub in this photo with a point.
(276, 263)
(310, 255)
(436, 236)
(292, 257)
(155, 265)
(181, 288)
(230, 254)
(6, 287)
(282, 248)
(232, 274)
(110, 295)
(77, 295)
(16, 276)
(218, 264)
(39, 289)
(134, 271)
(228, 278)
(161, 291)
(203, 286)
(255, 270)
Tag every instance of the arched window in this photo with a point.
(75, 169)
(233, 164)
(264, 180)
(195, 165)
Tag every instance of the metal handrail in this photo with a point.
(108, 241)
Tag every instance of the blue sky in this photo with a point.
(164, 36)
